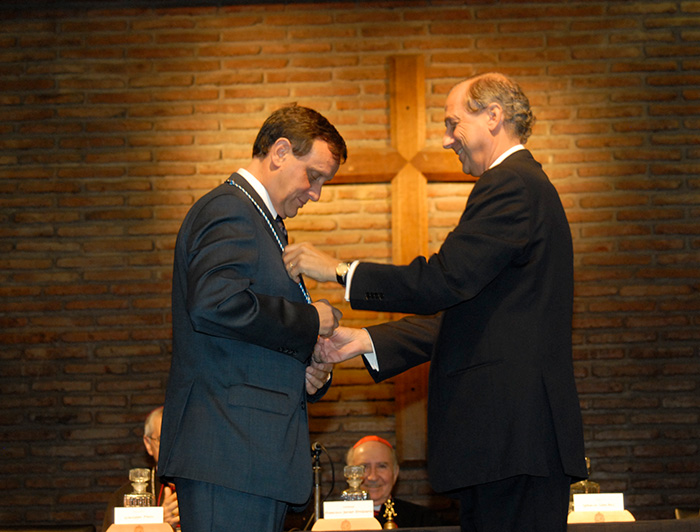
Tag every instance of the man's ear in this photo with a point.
(280, 150)
(494, 112)
(149, 445)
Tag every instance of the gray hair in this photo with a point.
(493, 87)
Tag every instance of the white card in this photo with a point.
(138, 514)
(348, 509)
(599, 502)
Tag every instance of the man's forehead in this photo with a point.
(372, 451)
(455, 97)
(320, 158)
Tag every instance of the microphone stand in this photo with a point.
(316, 452)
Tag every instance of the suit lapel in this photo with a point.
(276, 229)
(243, 183)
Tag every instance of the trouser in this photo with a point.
(522, 503)
(518, 504)
(208, 507)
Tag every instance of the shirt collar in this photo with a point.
(507, 153)
(259, 188)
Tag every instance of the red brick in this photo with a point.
(116, 120)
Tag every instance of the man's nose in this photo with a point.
(447, 141)
(315, 192)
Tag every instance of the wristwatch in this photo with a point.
(341, 272)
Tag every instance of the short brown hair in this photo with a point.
(301, 126)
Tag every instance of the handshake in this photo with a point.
(335, 343)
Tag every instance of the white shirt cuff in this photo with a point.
(348, 278)
(371, 358)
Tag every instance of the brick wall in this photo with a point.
(116, 117)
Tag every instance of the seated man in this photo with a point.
(381, 471)
(163, 496)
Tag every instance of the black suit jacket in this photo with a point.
(235, 407)
(501, 387)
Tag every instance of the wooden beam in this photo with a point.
(440, 165)
(409, 236)
(369, 166)
(407, 90)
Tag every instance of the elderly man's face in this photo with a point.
(380, 473)
(467, 134)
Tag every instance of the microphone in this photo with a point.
(316, 449)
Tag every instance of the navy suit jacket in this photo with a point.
(500, 295)
(235, 406)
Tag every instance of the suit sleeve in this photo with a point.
(232, 288)
(403, 344)
(494, 231)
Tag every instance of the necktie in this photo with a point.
(269, 224)
(280, 224)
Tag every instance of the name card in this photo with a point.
(599, 502)
(138, 515)
(348, 509)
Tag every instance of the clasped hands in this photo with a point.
(345, 343)
(335, 343)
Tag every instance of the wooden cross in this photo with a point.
(408, 167)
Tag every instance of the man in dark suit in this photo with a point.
(235, 436)
(381, 473)
(504, 424)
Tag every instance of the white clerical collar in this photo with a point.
(260, 189)
(507, 153)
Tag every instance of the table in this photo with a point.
(669, 525)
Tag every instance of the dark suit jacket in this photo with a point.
(235, 407)
(501, 386)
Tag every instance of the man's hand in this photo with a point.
(171, 511)
(317, 374)
(328, 317)
(345, 343)
(305, 259)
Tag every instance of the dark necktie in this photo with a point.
(280, 224)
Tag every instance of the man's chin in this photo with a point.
(374, 495)
(293, 211)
